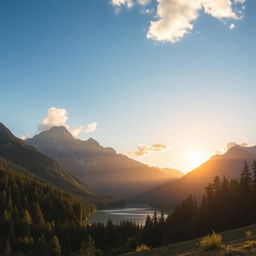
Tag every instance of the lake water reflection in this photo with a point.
(135, 214)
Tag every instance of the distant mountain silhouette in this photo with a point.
(229, 165)
(22, 158)
(100, 168)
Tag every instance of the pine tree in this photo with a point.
(162, 219)
(6, 216)
(246, 177)
(254, 176)
(224, 185)
(87, 248)
(216, 184)
(27, 217)
(148, 221)
(155, 218)
(38, 215)
(54, 246)
(209, 193)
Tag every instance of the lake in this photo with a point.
(136, 214)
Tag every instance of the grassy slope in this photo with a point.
(234, 237)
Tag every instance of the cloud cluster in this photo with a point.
(59, 117)
(175, 18)
(55, 117)
(126, 3)
(91, 127)
(144, 2)
(75, 131)
(143, 150)
(129, 3)
(233, 144)
(232, 26)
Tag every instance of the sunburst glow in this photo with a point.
(195, 157)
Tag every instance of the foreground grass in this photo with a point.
(241, 241)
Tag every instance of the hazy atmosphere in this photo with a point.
(136, 74)
(127, 128)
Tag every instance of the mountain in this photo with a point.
(25, 159)
(101, 168)
(229, 165)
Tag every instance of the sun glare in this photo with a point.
(195, 158)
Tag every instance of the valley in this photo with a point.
(127, 128)
(131, 205)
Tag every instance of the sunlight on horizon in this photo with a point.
(195, 157)
(180, 158)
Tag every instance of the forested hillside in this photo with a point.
(37, 219)
(228, 164)
(226, 204)
(27, 160)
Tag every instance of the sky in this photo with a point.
(167, 82)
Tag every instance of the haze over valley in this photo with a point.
(127, 128)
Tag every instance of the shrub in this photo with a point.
(249, 245)
(211, 242)
(249, 234)
(142, 248)
(230, 251)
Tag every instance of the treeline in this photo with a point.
(226, 204)
(36, 219)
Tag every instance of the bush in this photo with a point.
(230, 251)
(211, 242)
(249, 245)
(142, 248)
(249, 234)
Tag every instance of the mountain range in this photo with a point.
(83, 166)
(229, 164)
(18, 156)
(100, 168)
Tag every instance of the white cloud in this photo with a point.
(232, 26)
(91, 127)
(55, 117)
(219, 8)
(59, 117)
(24, 137)
(233, 144)
(143, 150)
(144, 2)
(175, 18)
(147, 11)
(75, 131)
(120, 3)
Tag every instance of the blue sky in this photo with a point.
(194, 95)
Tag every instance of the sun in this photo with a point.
(195, 158)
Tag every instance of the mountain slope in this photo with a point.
(25, 159)
(35, 212)
(100, 168)
(229, 164)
